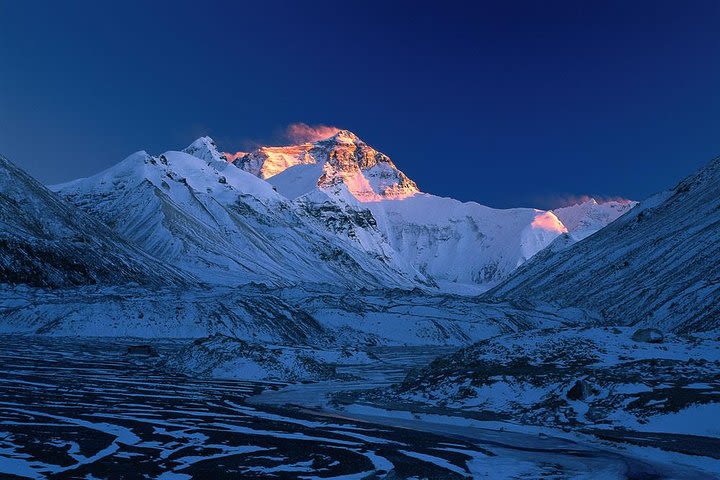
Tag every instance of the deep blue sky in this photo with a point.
(505, 103)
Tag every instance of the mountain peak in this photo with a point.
(585, 217)
(205, 149)
(341, 163)
(343, 137)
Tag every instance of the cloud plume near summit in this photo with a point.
(304, 133)
(293, 134)
(566, 200)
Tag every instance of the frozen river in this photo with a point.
(84, 409)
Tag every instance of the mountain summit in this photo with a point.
(205, 148)
(342, 162)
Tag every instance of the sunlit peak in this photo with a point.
(549, 222)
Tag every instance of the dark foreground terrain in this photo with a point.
(86, 409)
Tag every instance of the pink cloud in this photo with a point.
(304, 133)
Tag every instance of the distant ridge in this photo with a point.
(47, 242)
(658, 265)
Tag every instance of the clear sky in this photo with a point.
(505, 103)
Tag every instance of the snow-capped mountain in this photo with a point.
(587, 217)
(47, 242)
(655, 266)
(200, 213)
(334, 211)
(342, 164)
(205, 148)
(461, 247)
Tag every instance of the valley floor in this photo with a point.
(76, 408)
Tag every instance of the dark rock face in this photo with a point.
(648, 335)
(580, 391)
(142, 350)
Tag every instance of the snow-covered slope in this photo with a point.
(463, 245)
(587, 217)
(575, 378)
(468, 246)
(224, 225)
(319, 316)
(221, 356)
(657, 265)
(45, 241)
(460, 247)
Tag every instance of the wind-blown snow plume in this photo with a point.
(559, 201)
(304, 133)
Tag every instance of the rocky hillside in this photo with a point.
(48, 242)
(584, 378)
(656, 266)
